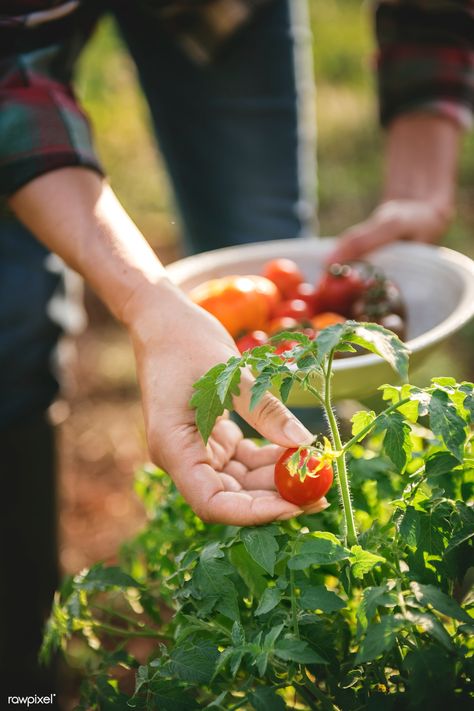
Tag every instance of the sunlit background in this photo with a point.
(101, 431)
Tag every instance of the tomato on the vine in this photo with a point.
(300, 477)
(285, 273)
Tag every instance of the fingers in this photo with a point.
(262, 478)
(252, 455)
(318, 506)
(270, 417)
(243, 509)
(361, 239)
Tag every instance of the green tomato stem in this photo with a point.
(372, 424)
(350, 532)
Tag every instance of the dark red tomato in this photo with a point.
(294, 308)
(307, 293)
(251, 340)
(339, 287)
(298, 481)
(285, 273)
(284, 323)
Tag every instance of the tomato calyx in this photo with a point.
(309, 461)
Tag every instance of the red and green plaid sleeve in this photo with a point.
(42, 128)
(426, 58)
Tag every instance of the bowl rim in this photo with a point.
(459, 262)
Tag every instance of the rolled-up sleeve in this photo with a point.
(42, 127)
(425, 60)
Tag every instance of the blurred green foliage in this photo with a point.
(349, 141)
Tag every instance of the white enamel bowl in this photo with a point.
(437, 285)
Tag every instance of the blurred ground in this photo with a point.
(100, 421)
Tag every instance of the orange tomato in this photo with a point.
(240, 303)
(325, 319)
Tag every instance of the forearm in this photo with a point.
(76, 215)
(421, 161)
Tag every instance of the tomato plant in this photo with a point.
(367, 606)
(302, 476)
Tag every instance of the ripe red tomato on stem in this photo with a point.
(285, 273)
(298, 478)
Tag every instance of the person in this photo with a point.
(222, 80)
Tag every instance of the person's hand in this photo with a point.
(393, 220)
(231, 479)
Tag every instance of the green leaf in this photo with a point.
(262, 384)
(269, 600)
(264, 698)
(166, 695)
(320, 598)
(100, 578)
(227, 382)
(397, 442)
(251, 573)
(321, 548)
(285, 388)
(211, 583)
(383, 342)
(431, 626)
(296, 650)
(363, 561)
(447, 424)
(380, 638)
(207, 402)
(328, 339)
(431, 595)
(440, 463)
(262, 546)
(372, 598)
(194, 661)
(468, 390)
(464, 529)
(361, 420)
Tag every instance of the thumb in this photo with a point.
(271, 418)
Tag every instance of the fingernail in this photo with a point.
(285, 517)
(297, 433)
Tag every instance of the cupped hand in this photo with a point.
(229, 480)
(401, 219)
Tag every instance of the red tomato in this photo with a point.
(285, 346)
(328, 318)
(339, 287)
(296, 308)
(285, 274)
(307, 293)
(301, 488)
(251, 340)
(284, 323)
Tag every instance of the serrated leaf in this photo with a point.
(431, 595)
(318, 597)
(468, 390)
(447, 424)
(296, 650)
(360, 420)
(194, 661)
(363, 561)
(379, 340)
(327, 339)
(380, 638)
(262, 546)
(227, 382)
(262, 384)
(250, 572)
(320, 548)
(373, 598)
(397, 443)
(431, 626)
(440, 463)
(211, 583)
(207, 402)
(269, 600)
(285, 388)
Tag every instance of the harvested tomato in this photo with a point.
(284, 346)
(298, 478)
(267, 289)
(339, 287)
(327, 318)
(251, 340)
(285, 273)
(240, 303)
(284, 323)
(294, 308)
(307, 293)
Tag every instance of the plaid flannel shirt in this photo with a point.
(425, 62)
